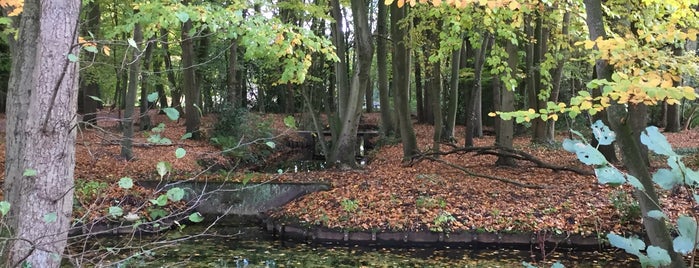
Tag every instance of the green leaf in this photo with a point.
(656, 142)
(162, 168)
(132, 43)
(683, 245)
(152, 97)
(115, 211)
(95, 98)
(180, 152)
(602, 133)
(658, 256)
(634, 182)
(687, 226)
(590, 156)
(157, 213)
(187, 135)
(172, 113)
(270, 144)
(195, 217)
(91, 49)
(666, 178)
(4, 208)
(609, 175)
(50, 217)
(656, 214)
(290, 122)
(175, 194)
(182, 16)
(29, 172)
(72, 57)
(247, 178)
(160, 201)
(125, 183)
(630, 245)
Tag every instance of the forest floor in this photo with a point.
(387, 194)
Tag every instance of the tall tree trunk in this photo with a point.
(344, 151)
(401, 81)
(656, 229)
(159, 87)
(472, 106)
(420, 96)
(144, 119)
(175, 91)
(89, 84)
(674, 112)
(130, 99)
(232, 76)
(505, 128)
(436, 103)
(40, 140)
(538, 50)
(557, 76)
(190, 85)
(453, 100)
(387, 124)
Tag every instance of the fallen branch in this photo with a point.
(505, 180)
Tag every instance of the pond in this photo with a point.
(253, 247)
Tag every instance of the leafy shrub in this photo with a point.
(238, 127)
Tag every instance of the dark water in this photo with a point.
(235, 247)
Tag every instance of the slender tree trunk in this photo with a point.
(40, 140)
(656, 229)
(453, 100)
(190, 85)
(130, 99)
(232, 77)
(557, 77)
(175, 91)
(436, 103)
(89, 86)
(387, 124)
(159, 87)
(674, 112)
(420, 97)
(505, 128)
(144, 118)
(472, 114)
(401, 81)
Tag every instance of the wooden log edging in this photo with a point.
(471, 239)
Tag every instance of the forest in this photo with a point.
(394, 96)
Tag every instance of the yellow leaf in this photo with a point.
(106, 50)
(492, 114)
(400, 3)
(554, 117)
(586, 105)
(513, 5)
(589, 44)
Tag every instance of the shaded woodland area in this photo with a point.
(484, 89)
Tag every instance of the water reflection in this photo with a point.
(251, 247)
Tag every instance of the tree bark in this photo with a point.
(401, 81)
(40, 141)
(505, 128)
(656, 229)
(175, 92)
(421, 109)
(473, 104)
(89, 86)
(130, 99)
(232, 98)
(190, 85)
(453, 101)
(387, 124)
(144, 119)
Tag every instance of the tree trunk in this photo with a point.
(538, 50)
(144, 119)
(130, 99)
(175, 91)
(557, 76)
(89, 86)
(344, 150)
(401, 81)
(472, 107)
(436, 103)
(40, 140)
(387, 123)
(159, 87)
(190, 85)
(656, 229)
(421, 109)
(505, 128)
(453, 100)
(232, 77)
(595, 25)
